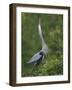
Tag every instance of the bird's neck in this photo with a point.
(43, 42)
(41, 36)
(44, 46)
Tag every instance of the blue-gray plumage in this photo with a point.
(38, 57)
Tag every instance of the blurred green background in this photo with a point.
(52, 29)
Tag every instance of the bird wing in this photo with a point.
(35, 58)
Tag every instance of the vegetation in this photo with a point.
(52, 29)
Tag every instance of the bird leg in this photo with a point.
(33, 68)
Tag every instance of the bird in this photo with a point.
(37, 58)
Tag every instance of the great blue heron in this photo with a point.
(39, 56)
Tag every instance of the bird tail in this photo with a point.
(32, 63)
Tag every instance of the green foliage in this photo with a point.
(52, 29)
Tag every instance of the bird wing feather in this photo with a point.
(36, 57)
